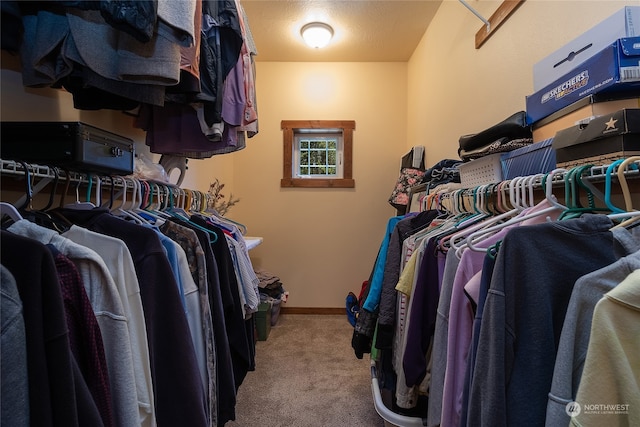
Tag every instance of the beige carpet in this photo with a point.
(307, 375)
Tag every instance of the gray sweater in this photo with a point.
(574, 340)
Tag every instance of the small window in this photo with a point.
(317, 153)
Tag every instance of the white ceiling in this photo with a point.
(364, 30)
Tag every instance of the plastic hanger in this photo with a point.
(67, 184)
(547, 180)
(54, 187)
(124, 209)
(9, 210)
(631, 216)
(180, 213)
(462, 235)
(27, 190)
(607, 187)
(78, 205)
(623, 180)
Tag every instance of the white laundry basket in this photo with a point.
(391, 419)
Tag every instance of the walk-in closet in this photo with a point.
(427, 215)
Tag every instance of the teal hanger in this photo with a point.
(181, 214)
(90, 178)
(573, 183)
(607, 187)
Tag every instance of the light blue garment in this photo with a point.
(375, 287)
(172, 255)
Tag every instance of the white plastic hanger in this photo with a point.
(78, 205)
(457, 240)
(632, 215)
(10, 210)
(473, 239)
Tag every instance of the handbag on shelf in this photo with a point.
(412, 170)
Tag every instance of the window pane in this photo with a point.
(316, 158)
(322, 157)
(304, 158)
(333, 144)
(304, 144)
(332, 158)
(318, 144)
(304, 171)
(332, 170)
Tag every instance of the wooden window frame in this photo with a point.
(288, 130)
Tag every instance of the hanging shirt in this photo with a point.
(611, 370)
(14, 387)
(574, 341)
(52, 399)
(179, 394)
(117, 258)
(85, 338)
(535, 271)
(106, 303)
(195, 254)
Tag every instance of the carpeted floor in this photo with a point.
(307, 375)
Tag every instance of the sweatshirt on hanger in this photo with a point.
(534, 274)
(179, 393)
(107, 305)
(117, 258)
(52, 400)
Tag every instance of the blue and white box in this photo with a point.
(612, 70)
(624, 23)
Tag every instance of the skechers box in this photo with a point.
(622, 24)
(613, 70)
(601, 141)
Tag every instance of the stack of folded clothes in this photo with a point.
(269, 284)
(511, 133)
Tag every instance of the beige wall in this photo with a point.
(456, 89)
(322, 243)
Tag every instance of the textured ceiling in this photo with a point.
(364, 30)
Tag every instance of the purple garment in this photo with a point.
(85, 338)
(459, 334)
(524, 313)
(461, 315)
(422, 318)
(480, 282)
(234, 100)
(174, 129)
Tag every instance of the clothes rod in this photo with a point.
(47, 174)
(475, 12)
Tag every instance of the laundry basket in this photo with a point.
(391, 419)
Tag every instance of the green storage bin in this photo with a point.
(263, 321)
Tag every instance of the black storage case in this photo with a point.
(73, 145)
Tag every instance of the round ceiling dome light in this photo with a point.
(317, 34)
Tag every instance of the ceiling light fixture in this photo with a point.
(317, 34)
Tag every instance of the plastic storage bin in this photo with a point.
(263, 321)
(276, 303)
(484, 170)
(536, 158)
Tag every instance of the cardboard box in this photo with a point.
(622, 24)
(581, 111)
(614, 70)
(614, 135)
